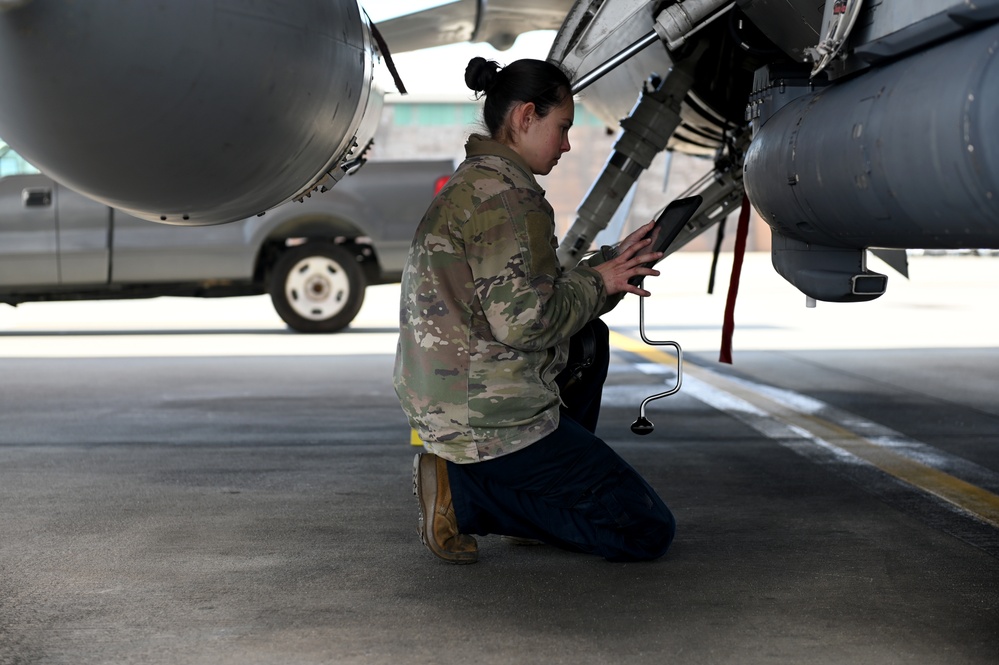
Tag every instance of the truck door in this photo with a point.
(28, 244)
(84, 242)
(150, 252)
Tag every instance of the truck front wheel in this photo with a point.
(317, 287)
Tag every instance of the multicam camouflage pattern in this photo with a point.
(486, 312)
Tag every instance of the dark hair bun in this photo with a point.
(480, 74)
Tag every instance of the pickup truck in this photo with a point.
(313, 257)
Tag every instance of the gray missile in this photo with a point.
(188, 111)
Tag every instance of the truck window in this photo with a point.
(12, 163)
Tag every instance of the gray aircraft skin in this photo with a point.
(850, 125)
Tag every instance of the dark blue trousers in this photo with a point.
(570, 489)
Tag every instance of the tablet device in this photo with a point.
(669, 223)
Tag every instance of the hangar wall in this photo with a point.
(417, 128)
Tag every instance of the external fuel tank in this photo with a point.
(187, 111)
(903, 155)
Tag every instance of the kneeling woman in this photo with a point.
(487, 315)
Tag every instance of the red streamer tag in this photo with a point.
(728, 326)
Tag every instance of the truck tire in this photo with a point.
(317, 287)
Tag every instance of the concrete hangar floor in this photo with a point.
(187, 481)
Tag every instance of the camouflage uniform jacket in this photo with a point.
(487, 312)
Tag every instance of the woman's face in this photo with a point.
(545, 139)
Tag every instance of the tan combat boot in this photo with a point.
(438, 524)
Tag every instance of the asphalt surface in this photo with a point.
(187, 482)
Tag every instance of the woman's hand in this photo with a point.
(632, 255)
(636, 236)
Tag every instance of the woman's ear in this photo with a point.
(521, 116)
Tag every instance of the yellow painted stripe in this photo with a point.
(970, 498)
